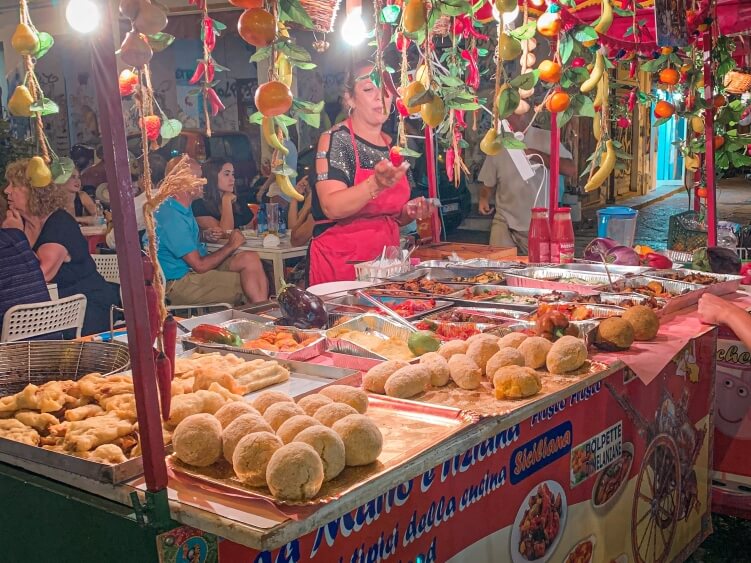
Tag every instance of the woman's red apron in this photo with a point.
(361, 237)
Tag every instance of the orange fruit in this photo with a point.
(718, 101)
(664, 109)
(247, 4)
(666, 50)
(669, 76)
(701, 192)
(257, 27)
(549, 24)
(550, 71)
(273, 98)
(718, 141)
(558, 102)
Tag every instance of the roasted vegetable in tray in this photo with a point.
(215, 334)
(553, 325)
(484, 278)
(446, 331)
(300, 308)
(419, 285)
(278, 340)
(717, 260)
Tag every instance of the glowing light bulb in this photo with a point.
(82, 15)
(353, 28)
(507, 17)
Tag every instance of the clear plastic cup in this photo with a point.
(272, 217)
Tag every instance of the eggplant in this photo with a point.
(301, 308)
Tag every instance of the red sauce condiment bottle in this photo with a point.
(538, 237)
(562, 242)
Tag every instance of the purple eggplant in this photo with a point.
(301, 308)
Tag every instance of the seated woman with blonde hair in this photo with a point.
(60, 246)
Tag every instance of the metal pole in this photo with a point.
(430, 162)
(709, 139)
(555, 143)
(115, 147)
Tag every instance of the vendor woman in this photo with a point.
(359, 199)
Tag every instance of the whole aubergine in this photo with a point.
(301, 308)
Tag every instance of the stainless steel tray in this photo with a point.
(500, 315)
(250, 330)
(222, 317)
(449, 275)
(685, 294)
(380, 327)
(723, 283)
(304, 377)
(354, 301)
(534, 295)
(599, 268)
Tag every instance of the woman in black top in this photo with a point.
(56, 239)
(78, 203)
(219, 208)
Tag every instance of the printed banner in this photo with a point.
(617, 472)
(732, 436)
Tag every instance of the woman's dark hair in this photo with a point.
(353, 75)
(211, 194)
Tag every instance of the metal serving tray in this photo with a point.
(495, 316)
(383, 289)
(597, 311)
(354, 301)
(534, 294)
(409, 430)
(250, 330)
(492, 264)
(304, 377)
(723, 283)
(448, 275)
(222, 317)
(599, 268)
(559, 278)
(685, 294)
(434, 326)
(381, 327)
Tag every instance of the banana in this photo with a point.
(287, 188)
(606, 168)
(597, 71)
(269, 134)
(284, 69)
(597, 126)
(606, 18)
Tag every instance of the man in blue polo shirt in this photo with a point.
(195, 275)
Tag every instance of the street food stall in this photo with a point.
(470, 410)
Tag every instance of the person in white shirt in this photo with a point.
(514, 197)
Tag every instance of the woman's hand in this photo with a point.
(13, 220)
(386, 174)
(302, 186)
(228, 198)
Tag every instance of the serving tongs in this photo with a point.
(380, 306)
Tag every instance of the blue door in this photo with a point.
(669, 167)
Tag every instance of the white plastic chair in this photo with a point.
(106, 265)
(35, 319)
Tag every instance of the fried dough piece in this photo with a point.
(107, 453)
(123, 405)
(81, 413)
(205, 377)
(226, 394)
(17, 431)
(27, 398)
(38, 421)
(85, 435)
(259, 376)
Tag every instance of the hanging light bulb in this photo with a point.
(353, 28)
(82, 15)
(507, 17)
(537, 3)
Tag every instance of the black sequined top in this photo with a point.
(341, 159)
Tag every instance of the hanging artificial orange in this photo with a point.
(718, 141)
(273, 98)
(718, 101)
(152, 124)
(557, 102)
(549, 24)
(669, 76)
(247, 4)
(664, 109)
(127, 82)
(550, 71)
(257, 27)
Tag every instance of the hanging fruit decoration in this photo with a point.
(28, 100)
(265, 29)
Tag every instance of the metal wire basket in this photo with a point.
(41, 361)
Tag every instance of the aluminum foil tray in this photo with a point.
(684, 294)
(587, 329)
(722, 283)
(451, 275)
(678, 257)
(354, 301)
(381, 327)
(250, 330)
(599, 268)
(558, 278)
(494, 316)
(597, 311)
(447, 327)
(493, 264)
(409, 430)
(393, 289)
(627, 300)
(533, 297)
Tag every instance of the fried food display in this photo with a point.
(566, 355)
(280, 340)
(516, 382)
(295, 472)
(234, 374)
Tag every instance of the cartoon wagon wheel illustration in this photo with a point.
(655, 510)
